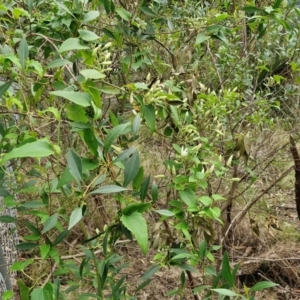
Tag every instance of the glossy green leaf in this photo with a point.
(201, 38)
(113, 134)
(40, 148)
(188, 197)
(57, 63)
(132, 166)
(23, 52)
(24, 290)
(226, 270)
(149, 115)
(139, 207)
(88, 35)
(125, 154)
(26, 246)
(108, 189)
(154, 191)
(76, 216)
(92, 74)
(165, 212)
(138, 226)
(225, 292)
(71, 44)
(123, 13)
(75, 164)
(80, 98)
(44, 249)
(262, 285)
(7, 219)
(4, 87)
(50, 223)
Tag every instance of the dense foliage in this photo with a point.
(122, 116)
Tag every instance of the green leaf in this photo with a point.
(154, 191)
(76, 216)
(90, 16)
(45, 248)
(139, 207)
(226, 270)
(64, 8)
(26, 246)
(225, 292)
(125, 154)
(33, 204)
(205, 200)
(262, 285)
(75, 164)
(113, 134)
(7, 219)
(165, 212)
(201, 38)
(75, 112)
(138, 226)
(108, 189)
(50, 223)
(144, 188)
(24, 290)
(23, 52)
(149, 115)
(8, 295)
(80, 98)
(123, 13)
(188, 197)
(150, 272)
(61, 237)
(56, 63)
(21, 265)
(202, 250)
(71, 44)
(136, 125)
(4, 87)
(40, 148)
(87, 35)
(92, 74)
(132, 166)
(147, 11)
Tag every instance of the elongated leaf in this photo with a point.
(262, 285)
(201, 38)
(125, 154)
(139, 207)
(113, 135)
(144, 188)
(7, 219)
(226, 270)
(50, 223)
(92, 74)
(80, 98)
(4, 87)
(108, 189)
(23, 52)
(138, 226)
(76, 216)
(26, 246)
(87, 35)
(150, 272)
(40, 148)
(123, 13)
(225, 292)
(63, 7)
(75, 164)
(57, 63)
(132, 166)
(165, 212)
(149, 115)
(24, 290)
(61, 237)
(71, 44)
(154, 191)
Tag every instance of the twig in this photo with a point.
(243, 212)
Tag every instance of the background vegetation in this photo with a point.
(149, 143)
